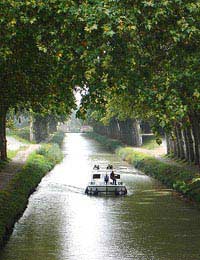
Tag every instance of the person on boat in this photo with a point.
(96, 167)
(106, 178)
(112, 176)
(109, 167)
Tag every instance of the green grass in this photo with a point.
(13, 153)
(2, 164)
(177, 177)
(14, 198)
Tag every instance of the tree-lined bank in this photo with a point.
(182, 178)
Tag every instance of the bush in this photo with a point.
(52, 152)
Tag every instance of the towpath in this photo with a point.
(160, 152)
(17, 163)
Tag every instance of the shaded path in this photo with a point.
(17, 163)
(13, 144)
(159, 154)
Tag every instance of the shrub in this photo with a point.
(52, 152)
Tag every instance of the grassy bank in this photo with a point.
(110, 144)
(173, 176)
(14, 199)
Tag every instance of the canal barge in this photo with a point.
(102, 184)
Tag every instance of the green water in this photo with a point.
(61, 222)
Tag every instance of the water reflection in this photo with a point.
(61, 222)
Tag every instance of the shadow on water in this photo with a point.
(61, 222)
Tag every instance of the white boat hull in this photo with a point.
(109, 189)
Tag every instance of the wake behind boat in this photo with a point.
(105, 182)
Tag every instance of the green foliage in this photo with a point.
(129, 59)
(14, 199)
(110, 144)
(176, 177)
(2, 164)
(150, 142)
(131, 156)
(57, 138)
(21, 134)
(12, 153)
(149, 69)
(51, 152)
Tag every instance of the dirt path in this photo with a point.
(15, 165)
(159, 153)
(13, 144)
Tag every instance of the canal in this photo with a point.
(61, 222)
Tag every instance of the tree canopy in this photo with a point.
(129, 58)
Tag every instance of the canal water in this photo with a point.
(61, 222)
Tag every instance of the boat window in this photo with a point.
(96, 176)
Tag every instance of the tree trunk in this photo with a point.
(180, 142)
(187, 154)
(145, 127)
(189, 144)
(175, 143)
(52, 124)
(136, 133)
(39, 128)
(129, 132)
(195, 123)
(169, 149)
(3, 142)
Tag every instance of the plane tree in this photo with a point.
(152, 62)
(31, 71)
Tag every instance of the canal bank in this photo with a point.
(185, 179)
(62, 223)
(19, 179)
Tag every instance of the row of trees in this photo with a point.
(42, 126)
(47, 49)
(128, 131)
(150, 70)
(137, 60)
